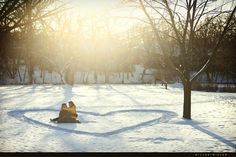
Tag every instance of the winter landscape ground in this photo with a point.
(116, 118)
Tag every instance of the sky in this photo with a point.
(106, 9)
(115, 12)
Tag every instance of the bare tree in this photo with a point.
(19, 16)
(184, 18)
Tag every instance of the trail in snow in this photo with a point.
(166, 116)
(116, 118)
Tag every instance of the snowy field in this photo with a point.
(116, 118)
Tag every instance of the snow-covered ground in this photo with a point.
(116, 118)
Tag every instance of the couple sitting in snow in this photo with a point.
(67, 114)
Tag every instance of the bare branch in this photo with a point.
(205, 4)
(159, 39)
(216, 47)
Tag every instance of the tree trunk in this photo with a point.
(85, 77)
(142, 76)
(41, 72)
(107, 77)
(95, 76)
(61, 76)
(69, 77)
(187, 100)
(222, 77)
(216, 77)
(209, 79)
(82, 77)
(123, 78)
(129, 75)
(19, 75)
(30, 73)
(24, 74)
(43, 76)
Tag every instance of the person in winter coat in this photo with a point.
(67, 114)
(62, 112)
(72, 109)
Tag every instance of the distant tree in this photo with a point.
(205, 39)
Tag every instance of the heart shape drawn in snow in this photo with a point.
(96, 124)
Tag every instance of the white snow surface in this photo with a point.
(116, 118)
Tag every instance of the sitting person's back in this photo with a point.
(65, 116)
